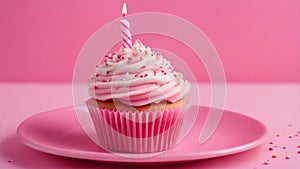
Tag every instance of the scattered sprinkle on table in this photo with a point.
(278, 151)
(265, 163)
(10, 161)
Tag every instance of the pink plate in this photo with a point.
(59, 132)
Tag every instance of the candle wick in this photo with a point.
(123, 15)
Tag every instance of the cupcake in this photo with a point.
(137, 101)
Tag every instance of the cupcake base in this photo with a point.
(143, 131)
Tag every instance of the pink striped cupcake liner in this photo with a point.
(137, 131)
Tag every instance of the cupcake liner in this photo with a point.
(137, 131)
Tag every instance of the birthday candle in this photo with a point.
(125, 29)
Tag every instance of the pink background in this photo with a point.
(258, 40)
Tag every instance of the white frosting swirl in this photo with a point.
(137, 77)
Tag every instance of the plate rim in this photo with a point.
(107, 157)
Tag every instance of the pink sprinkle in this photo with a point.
(287, 158)
(106, 56)
(141, 76)
(146, 75)
(271, 143)
(97, 75)
(118, 60)
(110, 57)
(119, 56)
(154, 72)
(175, 75)
(162, 71)
(270, 149)
(265, 163)
(107, 72)
(95, 87)
(283, 147)
(290, 137)
(298, 152)
(143, 67)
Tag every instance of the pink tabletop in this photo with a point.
(277, 105)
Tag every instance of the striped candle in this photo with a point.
(125, 29)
